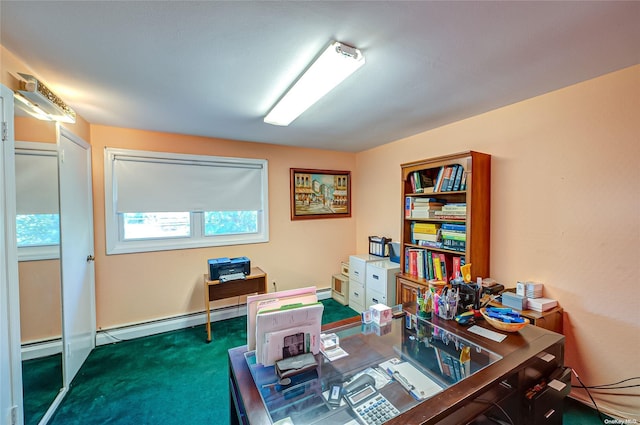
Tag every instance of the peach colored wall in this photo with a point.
(565, 211)
(132, 288)
(40, 302)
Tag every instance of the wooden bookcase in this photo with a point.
(477, 197)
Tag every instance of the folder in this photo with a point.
(273, 325)
(274, 300)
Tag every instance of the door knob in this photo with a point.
(90, 258)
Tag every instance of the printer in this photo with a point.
(225, 269)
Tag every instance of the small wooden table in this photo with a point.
(254, 283)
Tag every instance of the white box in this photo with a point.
(381, 314)
(541, 304)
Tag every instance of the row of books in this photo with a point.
(420, 182)
(448, 178)
(427, 264)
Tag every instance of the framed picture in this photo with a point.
(320, 194)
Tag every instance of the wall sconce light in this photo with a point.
(37, 100)
(333, 66)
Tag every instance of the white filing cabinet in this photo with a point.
(357, 279)
(380, 283)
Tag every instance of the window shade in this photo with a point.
(36, 182)
(166, 185)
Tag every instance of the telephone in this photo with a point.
(371, 407)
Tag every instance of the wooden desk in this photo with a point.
(254, 283)
(503, 382)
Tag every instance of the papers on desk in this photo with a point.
(287, 331)
(271, 301)
(419, 385)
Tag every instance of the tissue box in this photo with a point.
(380, 314)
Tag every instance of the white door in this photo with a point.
(76, 252)
(10, 362)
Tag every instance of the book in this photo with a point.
(455, 227)
(438, 182)
(425, 237)
(458, 180)
(425, 227)
(445, 178)
(416, 181)
(453, 235)
(456, 263)
(452, 178)
(463, 181)
(437, 267)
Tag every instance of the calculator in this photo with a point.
(371, 407)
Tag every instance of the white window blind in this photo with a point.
(36, 181)
(165, 185)
(159, 200)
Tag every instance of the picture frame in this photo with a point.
(316, 194)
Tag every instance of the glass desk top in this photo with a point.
(408, 365)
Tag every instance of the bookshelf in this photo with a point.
(446, 217)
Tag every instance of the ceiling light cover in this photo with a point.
(37, 100)
(333, 66)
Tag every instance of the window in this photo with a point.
(37, 213)
(158, 201)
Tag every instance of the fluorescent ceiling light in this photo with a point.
(37, 100)
(333, 66)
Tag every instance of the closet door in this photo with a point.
(76, 252)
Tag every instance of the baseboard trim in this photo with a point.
(36, 350)
(138, 330)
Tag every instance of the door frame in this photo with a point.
(11, 407)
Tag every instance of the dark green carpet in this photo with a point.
(176, 378)
(41, 382)
(171, 378)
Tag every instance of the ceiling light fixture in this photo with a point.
(38, 101)
(333, 66)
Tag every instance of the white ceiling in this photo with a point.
(214, 68)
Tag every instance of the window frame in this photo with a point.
(114, 222)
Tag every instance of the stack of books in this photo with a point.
(424, 232)
(422, 207)
(452, 211)
(454, 236)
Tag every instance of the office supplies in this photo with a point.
(419, 385)
(541, 304)
(274, 300)
(335, 395)
(225, 266)
(367, 403)
(513, 300)
(291, 366)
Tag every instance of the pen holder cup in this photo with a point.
(447, 310)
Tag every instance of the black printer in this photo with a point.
(225, 268)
